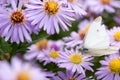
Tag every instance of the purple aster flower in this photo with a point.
(98, 6)
(19, 70)
(76, 6)
(49, 14)
(73, 60)
(69, 76)
(73, 40)
(56, 45)
(14, 24)
(117, 17)
(44, 50)
(4, 3)
(35, 49)
(110, 69)
(25, 1)
(76, 38)
(85, 23)
(83, 27)
(114, 34)
(51, 54)
(7, 2)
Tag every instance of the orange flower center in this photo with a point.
(82, 33)
(17, 17)
(105, 1)
(72, 1)
(42, 44)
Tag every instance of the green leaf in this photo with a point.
(4, 46)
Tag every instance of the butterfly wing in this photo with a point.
(96, 37)
(101, 52)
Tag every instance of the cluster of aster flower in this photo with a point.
(19, 19)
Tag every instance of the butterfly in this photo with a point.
(96, 41)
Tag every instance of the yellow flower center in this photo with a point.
(72, 1)
(23, 76)
(75, 58)
(117, 36)
(42, 44)
(114, 65)
(54, 54)
(105, 1)
(51, 7)
(82, 33)
(17, 17)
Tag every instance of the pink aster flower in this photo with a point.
(98, 6)
(19, 70)
(110, 68)
(114, 34)
(49, 14)
(73, 60)
(14, 24)
(69, 76)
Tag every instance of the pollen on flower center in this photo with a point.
(54, 54)
(42, 44)
(23, 76)
(17, 17)
(117, 36)
(114, 65)
(51, 7)
(105, 1)
(75, 58)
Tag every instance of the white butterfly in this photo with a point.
(96, 41)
